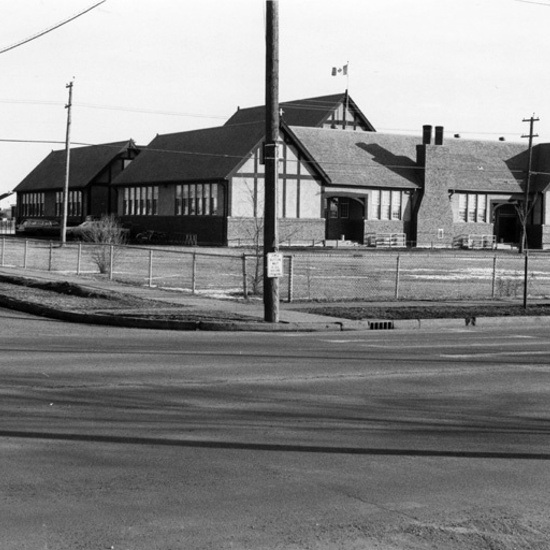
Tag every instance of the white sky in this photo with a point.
(142, 67)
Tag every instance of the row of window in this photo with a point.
(199, 199)
(32, 204)
(472, 207)
(140, 201)
(207, 199)
(387, 205)
(74, 203)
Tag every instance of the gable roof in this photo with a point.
(85, 164)
(197, 155)
(312, 112)
(367, 159)
(480, 166)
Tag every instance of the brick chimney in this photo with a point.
(439, 135)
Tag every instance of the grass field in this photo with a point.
(317, 275)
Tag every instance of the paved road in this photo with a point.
(160, 440)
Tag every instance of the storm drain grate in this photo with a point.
(381, 325)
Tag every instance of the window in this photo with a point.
(140, 201)
(198, 199)
(343, 208)
(472, 207)
(74, 203)
(386, 204)
(33, 204)
(337, 207)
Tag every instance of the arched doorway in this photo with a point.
(507, 224)
(344, 218)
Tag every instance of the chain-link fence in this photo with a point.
(320, 276)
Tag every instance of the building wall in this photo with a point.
(545, 237)
(299, 192)
(435, 224)
(202, 230)
(373, 227)
(249, 231)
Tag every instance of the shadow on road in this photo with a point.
(202, 444)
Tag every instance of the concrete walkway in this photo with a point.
(292, 317)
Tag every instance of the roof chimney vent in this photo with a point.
(439, 135)
(426, 134)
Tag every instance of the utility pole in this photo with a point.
(526, 210)
(67, 167)
(271, 238)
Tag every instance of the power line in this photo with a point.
(118, 108)
(147, 111)
(113, 108)
(348, 171)
(531, 2)
(50, 29)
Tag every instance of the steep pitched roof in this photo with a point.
(198, 155)
(485, 166)
(541, 166)
(85, 164)
(311, 112)
(367, 159)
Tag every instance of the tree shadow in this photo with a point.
(270, 447)
(401, 165)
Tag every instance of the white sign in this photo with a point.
(274, 264)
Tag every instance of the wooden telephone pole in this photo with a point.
(526, 210)
(65, 212)
(271, 237)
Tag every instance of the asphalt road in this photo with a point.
(138, 439)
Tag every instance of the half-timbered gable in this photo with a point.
(331, 111)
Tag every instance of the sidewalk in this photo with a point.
(292, 318)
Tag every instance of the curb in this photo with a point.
(160, 324)
(332, 325)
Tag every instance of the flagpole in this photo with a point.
(346, 102)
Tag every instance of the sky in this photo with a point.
(147, 67)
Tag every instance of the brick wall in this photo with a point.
(435, 226)
(244, 231)
(545, 236)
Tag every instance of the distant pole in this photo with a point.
(67, 167)
(526, 209)
(271, 239)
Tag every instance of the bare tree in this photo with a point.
(107, 235)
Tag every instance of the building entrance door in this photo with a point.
(507, 225)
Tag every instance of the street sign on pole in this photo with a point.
(274, 265)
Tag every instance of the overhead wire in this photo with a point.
(334, 165)
(50, 29)
(118, 108)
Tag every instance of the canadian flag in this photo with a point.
(340, 70)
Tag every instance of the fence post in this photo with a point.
(25, 254)
(150, 268)
(3, 249)
(111, 261)
(194, 274)
(78, 259)
(245, 286)
(494, 280)
(526, 280)
(290, 278)
(397, 273)
(50, 257)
